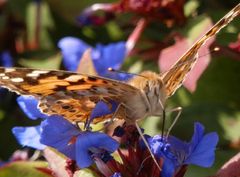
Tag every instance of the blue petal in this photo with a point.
(29, 136)
(168, 168)
(106, 56)
(88, 140)
(161, 149)
(179, 148)
(199, 151)
(102, 109)
(6, 59)
(72, 51)
(204, 153)
(177, 144)
(58, 133)
(198, 134)
(29, 105)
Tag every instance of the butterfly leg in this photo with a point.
(163, 121)
(113, 116)
(163, 116)
(146, 143)
(179, 111)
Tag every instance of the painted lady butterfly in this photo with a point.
(74, 95)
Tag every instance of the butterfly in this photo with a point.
(74, 95)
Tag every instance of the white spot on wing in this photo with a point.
(32, 75)
(36, 73)
(73, 78)
(2, 74)
(8, 70)
(5, 77)
(17, 79)
(40, 72)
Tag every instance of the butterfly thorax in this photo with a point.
(151, 98)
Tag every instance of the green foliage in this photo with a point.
(24, 169)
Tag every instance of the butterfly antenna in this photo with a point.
(146, 143)
(117, 71)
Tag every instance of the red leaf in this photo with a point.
(170, 55)
(231, 168)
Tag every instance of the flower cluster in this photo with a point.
(172, 154)
(87, 147)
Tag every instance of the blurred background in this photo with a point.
(30, 31)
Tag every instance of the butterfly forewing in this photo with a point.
(69, 94)
(174, 77)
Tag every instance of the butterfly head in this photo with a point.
(153, 92)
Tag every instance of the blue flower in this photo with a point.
(101, 109)
(29, 136)
(81, 146)
(176, 153)
(6, 59)
(72, 51)
(29, 106)
(103, 56)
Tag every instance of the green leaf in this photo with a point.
(69, 10)
(45, 24)
(52, 62)
(231, 124)
(84, 172)
(190, 7)
(2, 114)
(24, 169)
(197, 27)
